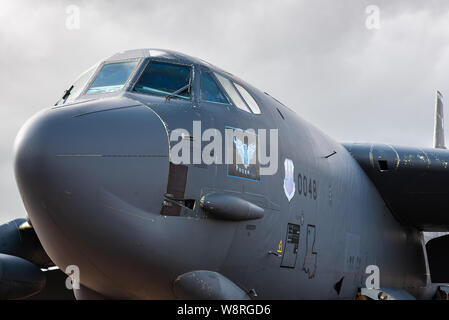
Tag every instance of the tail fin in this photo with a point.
(438, 138)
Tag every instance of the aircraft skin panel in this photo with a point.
(352, 207)
(100, 189)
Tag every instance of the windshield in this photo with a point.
(112, 77)
(164, 79)
(252, 104)
(78, 86)
(209, 89)
(232, 92)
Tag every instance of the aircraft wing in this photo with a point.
(413, 182)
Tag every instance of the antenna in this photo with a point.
(438, 134)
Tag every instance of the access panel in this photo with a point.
(291, 246)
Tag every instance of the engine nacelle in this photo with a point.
(18, 238)
(19, 278)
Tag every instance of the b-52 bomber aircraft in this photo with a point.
(160, 176)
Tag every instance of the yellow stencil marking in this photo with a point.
(280, 247)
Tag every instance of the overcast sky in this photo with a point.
(316, 56)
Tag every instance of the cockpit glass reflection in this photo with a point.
(210, 90)
(165, 79)
(112, 77)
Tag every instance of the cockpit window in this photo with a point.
(232, 92)
(165, 79)
(252, 104)
(210, 90)
(112, 77)
(78, 86)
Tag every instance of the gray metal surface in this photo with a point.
(94, 176)
(206, 285)
(438, 137)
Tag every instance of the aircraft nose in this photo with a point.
(70, 165)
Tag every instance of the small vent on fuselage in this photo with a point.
(280, 113)
(383, 165)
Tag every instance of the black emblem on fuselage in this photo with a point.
(245, 161)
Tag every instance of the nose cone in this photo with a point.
(83, 171)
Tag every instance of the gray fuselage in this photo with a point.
(94, 173)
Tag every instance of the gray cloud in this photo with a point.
(315, 56)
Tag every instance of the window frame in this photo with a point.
(238, 92)
(144, 67)
(247, 91)
(230, 98)
(100, 67)
(219, 86)
(71, 98)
